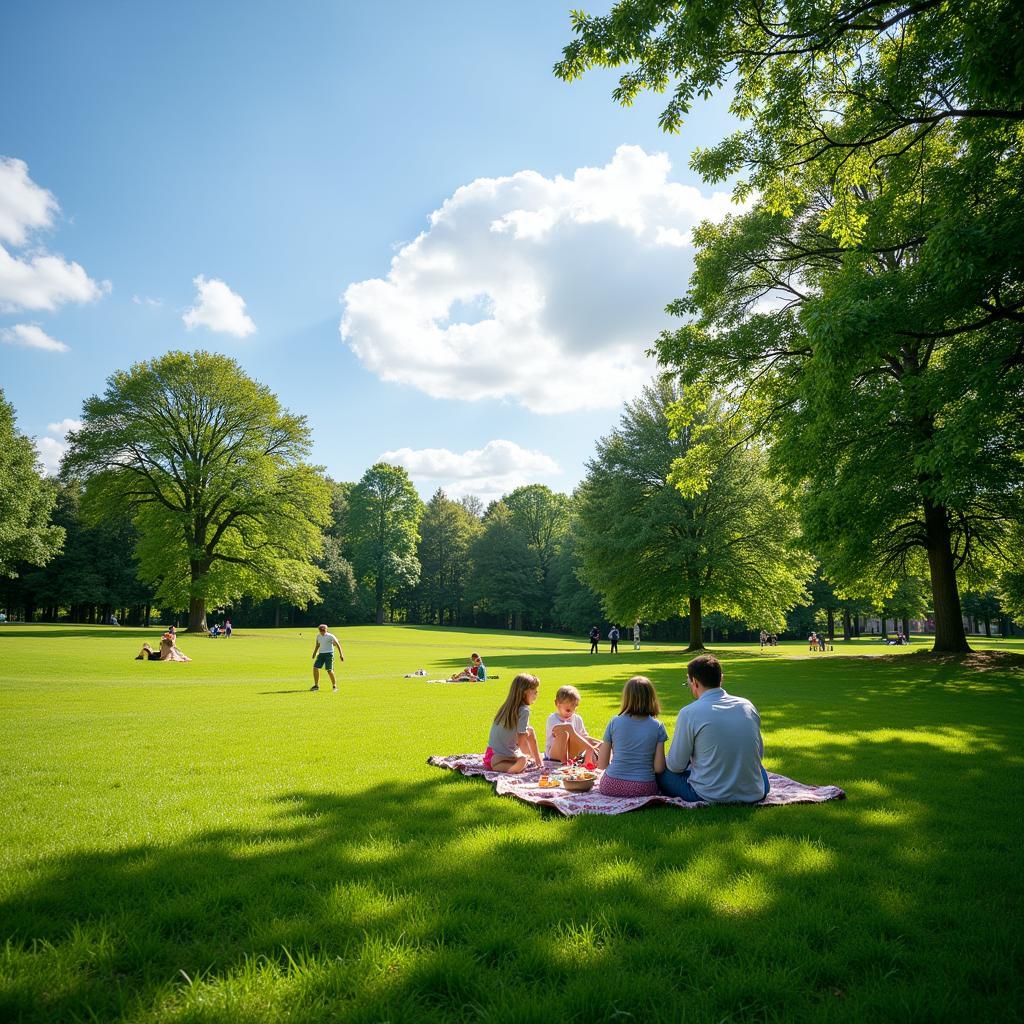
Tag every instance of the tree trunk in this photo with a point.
(696, 632)
(906, 628)
(885, 628)
(830, 613)
(988, 627)
(949, 623)
(149, 612)
(847, 631)
(197, 615)
(380, 598)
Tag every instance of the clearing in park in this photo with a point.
(212, 842)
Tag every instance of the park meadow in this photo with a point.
(212, 842)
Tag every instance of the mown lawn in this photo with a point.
(211, 842)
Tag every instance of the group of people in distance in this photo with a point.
(817, 642)
(613, 638)
(715, 755)
(768, 639)
(217, 630)
(168, 649)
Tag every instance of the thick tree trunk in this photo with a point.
(949, 623)
(906, 627)
(830, 613)
(149, 613)
(847, 631)
(197, 615)
(696, 631)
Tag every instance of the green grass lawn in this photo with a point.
(211, 842)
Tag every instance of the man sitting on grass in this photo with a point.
(717, 747)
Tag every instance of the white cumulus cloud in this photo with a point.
(218, 308)
(544, 291)
(36, 279)
(488, 472)
(24, 206)
(31, 336)
(53, 444)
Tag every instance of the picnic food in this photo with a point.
(548, 782)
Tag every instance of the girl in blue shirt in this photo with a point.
(633, 752)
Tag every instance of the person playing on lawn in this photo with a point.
(566, 735)
(633, 751)
(717, 747)
(511, 732)
(595, 636)
(323, 655)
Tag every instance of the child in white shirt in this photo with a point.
(566, 734)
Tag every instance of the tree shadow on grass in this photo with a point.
(429, 899)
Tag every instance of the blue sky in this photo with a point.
(283, 156)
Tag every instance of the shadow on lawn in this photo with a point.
(399, 902)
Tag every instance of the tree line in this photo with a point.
(186, 490)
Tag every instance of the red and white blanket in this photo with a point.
(524, 787)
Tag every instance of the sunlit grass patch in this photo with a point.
(218, 844)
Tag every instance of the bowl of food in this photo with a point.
(579, 781)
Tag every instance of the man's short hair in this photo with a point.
(705, 669)
(566, 694)
(323, 625)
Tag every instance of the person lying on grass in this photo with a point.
(633, 751)
(474, 672)
(566, 735)
(511, 732)
(717, 747)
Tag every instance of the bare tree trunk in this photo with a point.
(846, 624)
(831, 616)
(949, 623)
(696, 632)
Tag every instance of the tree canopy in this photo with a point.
(865, 313)
(210, 468)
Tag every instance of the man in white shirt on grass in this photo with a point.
(323, 654)
(717, 747)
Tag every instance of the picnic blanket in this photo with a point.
(524, 787)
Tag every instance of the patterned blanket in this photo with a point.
(524, 787)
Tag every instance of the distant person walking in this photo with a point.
(227, 628)
(613, 637)
(323, 654)
(636, 635)
(595, 636)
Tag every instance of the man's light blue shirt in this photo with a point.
(718, 737)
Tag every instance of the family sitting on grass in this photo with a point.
(715, 755)
(168, 649)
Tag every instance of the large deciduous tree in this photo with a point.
(26, 501)
(868, 312)
(210, 468)
(383, 520)
(668, 526)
